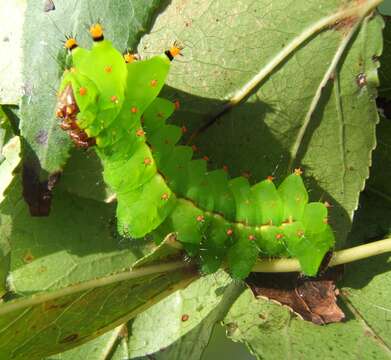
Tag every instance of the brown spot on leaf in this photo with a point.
(28, 257)
(69, 338)
(315, 299)
(185, 317)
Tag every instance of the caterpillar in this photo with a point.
(110, 101)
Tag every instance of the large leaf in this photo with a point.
(187, 317)
(52, 322)
(11, 21)
(385, 60)
(44, 61)
(76, 242)
(272, 332)
(9, 160)
(279, 86)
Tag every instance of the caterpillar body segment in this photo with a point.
(160, 189)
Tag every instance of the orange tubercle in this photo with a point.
(96, 31)
(129, 58)
(175, 51)
(70, 43)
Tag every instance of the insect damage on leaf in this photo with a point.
(314, 299)
(110, 101)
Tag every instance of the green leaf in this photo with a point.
(9, 160)
(45, 59)
(97, 349)
(11, 20)
(272, 332)
(270, 89)
(52, 322)
(178, 314)
(205, 302)
(77, 242)
(385, 61)
(82, 176)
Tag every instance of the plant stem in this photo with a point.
(339, 257)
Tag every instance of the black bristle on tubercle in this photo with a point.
(100, 38)
(169, 55)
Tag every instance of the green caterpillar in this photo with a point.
(109, 101)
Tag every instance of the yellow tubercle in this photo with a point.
(70, 43)
(96, 31)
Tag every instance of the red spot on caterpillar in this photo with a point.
(225, 168)
(185, 317)
(298, 172)
(206, 158)
(147, 161)
(133, 110)
(108, 69)
(279, 236)
(153, 83)
(82, 91)
(184, 129)
(251, 237)
(140, 132)
(200, 218)
(270, 178)
(230, 232)
(165, 196)
(177, 104)
(194, 148)
(114, 99)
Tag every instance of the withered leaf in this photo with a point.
(315, 299)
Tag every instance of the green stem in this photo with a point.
(277, 265)
(339, 257)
